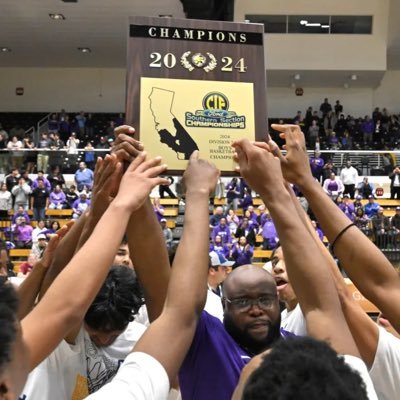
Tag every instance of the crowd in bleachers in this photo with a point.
(331, 128)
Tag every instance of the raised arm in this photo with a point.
(145, 237)
(306, 266)
(71, 294)
(169, 337)
(365, 264)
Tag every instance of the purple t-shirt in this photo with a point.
(212, 367)
(333, 186)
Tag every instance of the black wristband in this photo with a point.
(338, 237)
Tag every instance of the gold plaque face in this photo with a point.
(178, 116)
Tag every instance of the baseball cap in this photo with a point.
(370, 196)
(42, 236)
(218, 259)
(358, 197)
(346, 196)
(397, 208)
(163, 220)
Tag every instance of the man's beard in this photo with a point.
(251, 345)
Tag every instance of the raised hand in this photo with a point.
(138, 181)
(295, 164)
(258, 166)
(200, 175)
(107, 177)
(125, 147)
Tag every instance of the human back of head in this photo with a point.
(117, 302)
(304, 369)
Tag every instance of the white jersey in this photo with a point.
(385, 370)
(214, 305)
(141, 377)
(294, 321)
(72, 372)
(358, 365)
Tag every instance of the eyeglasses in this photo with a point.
(244, 304)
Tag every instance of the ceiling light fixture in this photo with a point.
(56, 16)
(325, 26)
(354, 77)
(5, 49)
(297, 77)
(84, 49)
(313, 24)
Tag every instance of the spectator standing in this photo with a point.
(89, 126)
(15, 146)
(333, 186)
(65, 128)
(43, 155)
(55, 177)
(41, 177)
(83, 177)
(247, 230)
(233, 193)
(23, 234)
(162, 189)
(330, 121)
(71, 196)
(338, 108)
(80, 205)
(21, 194)
(367, 129)
(325, 107)
(313, 134)
(30, 157)
(72, 146)
(81, 121)
(317, 164)
(54, 124)
(371, 208)
(247, 200)
(349, 177)
(57, 199)
(167, 233)
(395, 183)
(5, 201)
(90, 158)
(242, 252)
(40, 201)
(103, 145)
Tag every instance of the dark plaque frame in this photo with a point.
(237, 41)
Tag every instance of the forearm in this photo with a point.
(61, 315)
(63, 254)
(29, 289)
(144, 238)
(191, 284)
(366, 266)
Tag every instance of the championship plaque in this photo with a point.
(195, 85)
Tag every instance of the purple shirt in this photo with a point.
(57, 198)
(269, 231)
(348, 210)
(45, 181)
(24, 233)
(212, 367)
(24, 214)
(221, 249)
(242, 256)
(222, 231)
(316, 165)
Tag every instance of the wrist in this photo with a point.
(197, 192)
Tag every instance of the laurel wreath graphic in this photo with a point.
(189, 66)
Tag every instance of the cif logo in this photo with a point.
(215, 101)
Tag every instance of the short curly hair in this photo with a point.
(304, 369)
(8, 322)
(117, 302)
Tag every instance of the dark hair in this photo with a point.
(118, 300)
(304, 369)
(8, 322)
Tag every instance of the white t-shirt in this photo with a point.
(141, 377)
(294, 321)
(214, 305)
(385, 371)
(142, 317)
(358, 365)
(72, 372)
